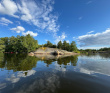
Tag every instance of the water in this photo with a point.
(74, 74)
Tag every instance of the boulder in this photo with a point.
(31, 54)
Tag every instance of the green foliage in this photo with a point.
(54, 46)
(29, 44)
(18, 62)
(48, 44)
(64, 46)
(77, 51)
(66, 60)
(104, 49)
(59, 45)
(2, 46)
(23, 62)
(73, 46)
(19, 44)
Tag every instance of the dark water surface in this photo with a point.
(74, 74)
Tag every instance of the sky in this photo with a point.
(87, 22)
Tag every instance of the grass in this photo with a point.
(43, 48)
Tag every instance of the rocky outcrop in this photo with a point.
(31, 54)
(50, 51)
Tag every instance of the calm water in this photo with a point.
(74, 74)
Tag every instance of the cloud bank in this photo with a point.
(95, 39)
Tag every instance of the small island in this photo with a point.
(50, 51)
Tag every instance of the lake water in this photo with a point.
(74, 74)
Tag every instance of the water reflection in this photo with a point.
(21, 73)
(15, 78)
(22, 62)
(17, 62)
(48, 83)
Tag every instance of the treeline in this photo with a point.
(104, 49)
(95, 50)
(62, 45)
(18, 44)
(28, 44)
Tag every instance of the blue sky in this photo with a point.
(85, 21)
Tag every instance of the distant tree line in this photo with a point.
(18, 44)
(104, 49)
(95, 50)
(28, 44)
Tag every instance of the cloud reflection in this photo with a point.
(15, 78)
(2, 85)
(44, 83)
(92, 65)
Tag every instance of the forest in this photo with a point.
(29, 44)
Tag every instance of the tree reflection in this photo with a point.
(18, 62)
(105, 55)
(70, 59)
(2, 64)
(23, 62)
(48, 62)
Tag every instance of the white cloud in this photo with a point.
(67, 41)
(31, 33)
(63, 36)
(89, 2)
(95, 39)
(80, 18)
(18, 29)
(93, 47)
(90, 32)
(39, 14)
(46, 40)
(8, 7)
(74, 38)
(18, 22)
(60, 38)
(4, 21)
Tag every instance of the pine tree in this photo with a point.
(64, 45)
(59, 45)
